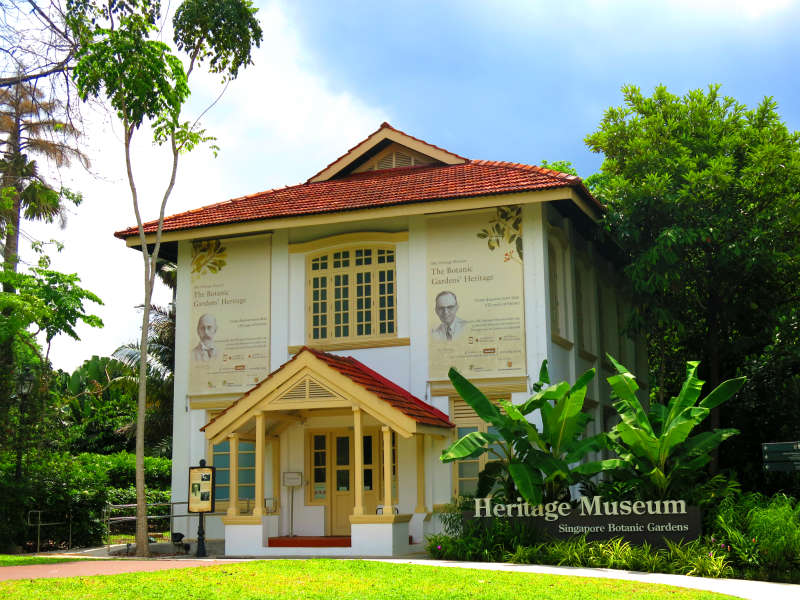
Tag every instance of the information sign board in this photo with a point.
(201, 489)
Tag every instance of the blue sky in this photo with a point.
(513, 80)
(523, 81)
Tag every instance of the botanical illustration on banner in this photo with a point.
(475, 304)
(229, 342)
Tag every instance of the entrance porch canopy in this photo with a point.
(314, 382)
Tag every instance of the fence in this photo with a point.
(39, 524)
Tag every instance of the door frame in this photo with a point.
(371, 497)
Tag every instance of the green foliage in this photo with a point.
(702, 195)
(537, 462)
(222, 31)
(562, 166)
(487, 541)
(762, 533)
(50, 301)
(61, 484)
(141, 77)
(699, 558)
(655, 449)
(58, 485)
(766, 410)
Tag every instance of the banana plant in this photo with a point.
(656, 447)
(538, 462)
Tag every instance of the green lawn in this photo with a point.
(12, 560)
(332, 580)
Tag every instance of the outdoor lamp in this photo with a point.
(25, 383)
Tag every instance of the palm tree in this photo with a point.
(160, 376)
(29, 126)
(160, 366)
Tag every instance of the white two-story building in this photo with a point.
(316, 325)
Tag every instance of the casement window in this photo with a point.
(351, 294)
(465, 472)
(221, 459)
(558, 290)
(585, 309)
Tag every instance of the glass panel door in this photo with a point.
(343, 497)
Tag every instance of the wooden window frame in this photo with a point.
(335, 271)
(223, 504)
(470, 421)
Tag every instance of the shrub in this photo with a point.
(761, 535)
(59, 486)
(81, 486)
(121, 469)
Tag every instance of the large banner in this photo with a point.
(229, 350)
(475, 303)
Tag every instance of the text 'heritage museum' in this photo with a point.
(316, 325)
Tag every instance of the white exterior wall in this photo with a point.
(405, 365)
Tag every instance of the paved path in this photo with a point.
(82, 568)
(751, 590)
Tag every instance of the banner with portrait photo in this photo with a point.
(476, 320)
(229, 342)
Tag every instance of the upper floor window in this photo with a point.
(558, 295)
(351, 294)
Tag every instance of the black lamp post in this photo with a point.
(24, 385)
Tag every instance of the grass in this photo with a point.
(333, 580)
(14, 560)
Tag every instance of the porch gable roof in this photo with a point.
(412, 410)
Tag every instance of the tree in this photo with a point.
(29, 125)
(37, 44)
(537, 464)
(702, 197)
(44, 302)
(121, 60)
(160, 375)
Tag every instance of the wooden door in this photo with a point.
(342, 498)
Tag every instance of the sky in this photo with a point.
(514, 80)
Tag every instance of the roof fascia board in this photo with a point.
(382, 212)
(376, 138)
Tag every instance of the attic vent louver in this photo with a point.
(298, 392)
(395, 159)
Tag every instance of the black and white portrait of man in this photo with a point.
(451, 327)
(206, 349)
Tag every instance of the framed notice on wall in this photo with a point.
(201, 489)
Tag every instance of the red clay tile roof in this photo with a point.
(372, 189)
(358, 372)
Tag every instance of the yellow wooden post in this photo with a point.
(421, 507)
(233, 475)
(358, 509)
(276, 472)
(261, 419)
(388, 503)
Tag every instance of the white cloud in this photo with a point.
(278, 124)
